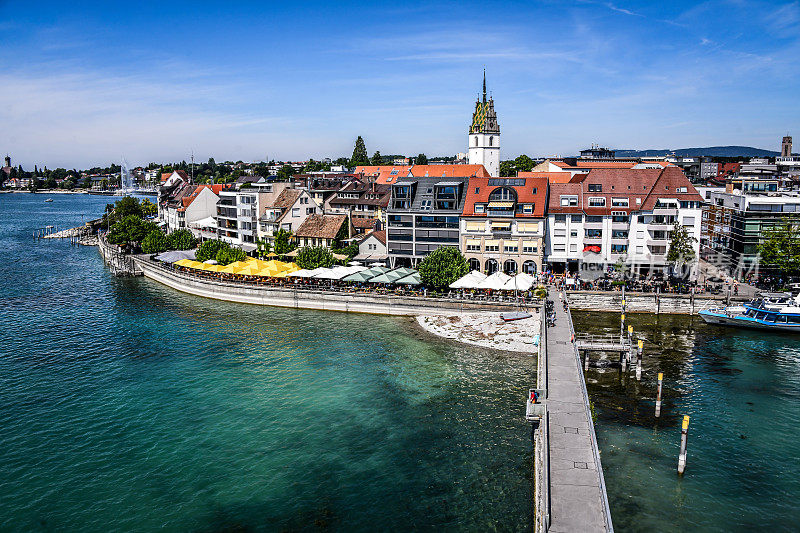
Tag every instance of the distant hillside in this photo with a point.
(710, 151)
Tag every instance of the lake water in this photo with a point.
(127, 406)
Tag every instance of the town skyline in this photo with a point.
(292, 82)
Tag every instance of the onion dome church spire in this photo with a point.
(484, 135)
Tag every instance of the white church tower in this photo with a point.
(484, 135)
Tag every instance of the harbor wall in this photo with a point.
(382, 304)
(683, 304)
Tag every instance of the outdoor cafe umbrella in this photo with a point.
(365, 275)
(468, 281)
(387, 277)
(411, 279)
(520, 282)
(494, 282)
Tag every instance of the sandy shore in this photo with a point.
(487, 330)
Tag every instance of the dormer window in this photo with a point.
(595, 187)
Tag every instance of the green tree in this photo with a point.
(311, 258)
(130, 230)
(155, 242)
(285, 173)
(360, 156)
(182, 239)
(208, 249)
(376, 158)
(263, 248)
(422, 159)
(780, 248)
(508, 169)
(127, 206)
(229, 255)
(149, 209)
(283, 242)
(681, 247)
(523, 163)
(442, 267)
(351, 250)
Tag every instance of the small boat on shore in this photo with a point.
(514, 315)
(772, 311)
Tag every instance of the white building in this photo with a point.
(286, 210)
(484, 135)
(617, 216)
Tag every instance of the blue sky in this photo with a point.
(86, 83)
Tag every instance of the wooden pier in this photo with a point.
(570, 492)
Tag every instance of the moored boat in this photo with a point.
(773, 311)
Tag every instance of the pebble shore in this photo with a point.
(487, 330)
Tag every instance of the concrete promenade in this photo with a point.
(299, 298)
(578, 500)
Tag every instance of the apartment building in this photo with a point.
(423, 214)
(360, 200)
(616, 216)
(502, 225)
(734, 224)
(199, 202)
(286, 210)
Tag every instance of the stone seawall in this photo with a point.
(307, 299)
(682, 304)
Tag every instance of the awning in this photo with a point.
(175, 255)
(527, 227)
(520, 282)
(476, 226)
(411, 279)
(469, 281)
(495, 282)
(501, 204)
(208, 222)
(496, 225)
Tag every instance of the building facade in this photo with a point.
(502, 224)
(619, 216)
(423, 214)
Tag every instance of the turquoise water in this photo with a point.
(741, 390)
(127, 406)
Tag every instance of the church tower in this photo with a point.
(484, 135)
(786, 147)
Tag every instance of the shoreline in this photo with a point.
(485, 330)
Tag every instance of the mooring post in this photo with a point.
(639, 360)
(629, 354)
(622, 328)
(658, 394)
(684, 438)
(658, 300)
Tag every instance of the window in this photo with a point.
(595, 187)
(480, 208)
(567, 201)
(503, 194)
(561, 219)
(640, 249)
(473, 246)
(559, 247)
(619, 202)
(490, 140)
(559, 232)
(476, 140)
(511, 248)
(295, 212)
(533, 191)
(577, 218)
(619, 248)
(688, 221)
(573, 248)
(425, 205)
(511, 182)
(529, 248)
(593, 233)
(682, 189)
(593, 218)
(492, 246)
(573, 233)
(477, 190)
(619, 234)
(527, 209)
(619, 217)
(597, 201)
(309, 210)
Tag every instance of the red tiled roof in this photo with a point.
(384, 173)
(646, 185)
(552, 177)
(286, 198)
(181, 173)
(525, 195)
(364, 223)
(380, 235)
(188, 199)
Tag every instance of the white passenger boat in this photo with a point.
(775, 311)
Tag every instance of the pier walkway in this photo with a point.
(577, 492)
